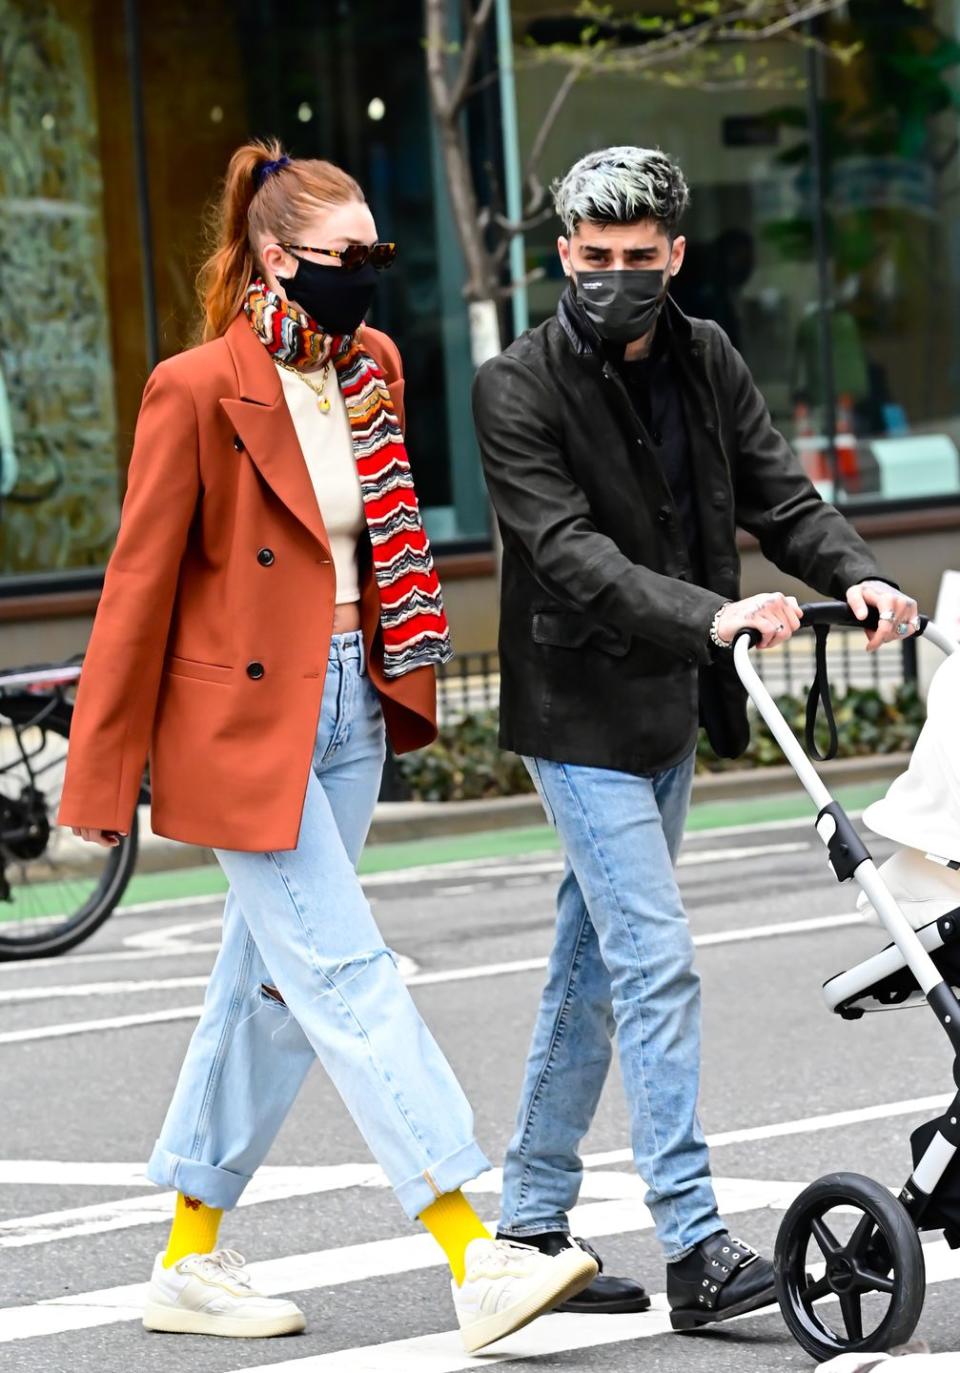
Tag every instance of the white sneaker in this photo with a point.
(507, 1285)
(210, 1294)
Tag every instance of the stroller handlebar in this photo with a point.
(836, 613)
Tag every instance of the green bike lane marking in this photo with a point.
(208, 880)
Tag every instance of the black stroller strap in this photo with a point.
(820, 695)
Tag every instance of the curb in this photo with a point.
(395, 821)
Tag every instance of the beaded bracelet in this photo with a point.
(714, 628)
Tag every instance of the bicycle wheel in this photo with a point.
(871, 1291)
(55, 890)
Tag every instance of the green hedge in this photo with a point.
(866, 724)
(466, 763)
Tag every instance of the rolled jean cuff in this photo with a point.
(447, 1175)
(213, 1186)
(674, 1254)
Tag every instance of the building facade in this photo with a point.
(824, 235)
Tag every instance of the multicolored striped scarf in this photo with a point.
(415, 629)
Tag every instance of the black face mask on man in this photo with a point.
(622, 305)
(334, 298)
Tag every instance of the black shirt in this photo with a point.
(653, 385)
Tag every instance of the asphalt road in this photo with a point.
(90, 1046)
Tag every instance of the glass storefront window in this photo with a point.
(58, 418)
(889, 125)
(828, 252)
(80, 253)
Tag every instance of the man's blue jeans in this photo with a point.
(622, 963)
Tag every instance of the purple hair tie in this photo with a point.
(265, 169)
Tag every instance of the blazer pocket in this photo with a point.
(175, 666)
(576, 631)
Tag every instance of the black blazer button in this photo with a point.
(663, 514)
(265, 557)
(255, 670)
(238, 443)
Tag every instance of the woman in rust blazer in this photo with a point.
(270, 607)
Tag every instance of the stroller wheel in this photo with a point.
(848, 1266)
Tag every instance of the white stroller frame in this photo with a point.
(884, 1254)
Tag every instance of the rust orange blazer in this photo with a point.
(191, 601)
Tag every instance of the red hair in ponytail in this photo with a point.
(258, 204)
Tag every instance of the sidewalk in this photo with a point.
(410, 836)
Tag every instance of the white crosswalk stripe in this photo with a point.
(358, 1262)
(550, 1335)
(276, 1183)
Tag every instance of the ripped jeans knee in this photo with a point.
(339, 974)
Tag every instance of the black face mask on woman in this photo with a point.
(335, 299)
(622, 305)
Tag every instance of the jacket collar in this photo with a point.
(257, 377)
(265, 431)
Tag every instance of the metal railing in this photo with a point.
(471, 682)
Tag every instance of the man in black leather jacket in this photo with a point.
(623, 443)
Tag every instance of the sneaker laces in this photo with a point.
(503, 1253)
(230, 1264)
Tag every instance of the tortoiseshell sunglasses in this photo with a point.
(355, 256)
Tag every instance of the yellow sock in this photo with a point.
(194, 1230)
(453, 1223)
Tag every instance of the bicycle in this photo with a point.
(55, 890)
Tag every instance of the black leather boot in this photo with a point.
(606, 1295)
(722, 1277)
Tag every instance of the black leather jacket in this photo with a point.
(605, 655)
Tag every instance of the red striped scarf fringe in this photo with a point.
(412, 617)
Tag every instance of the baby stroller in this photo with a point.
(855, 1282)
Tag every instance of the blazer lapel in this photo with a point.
(262, 421)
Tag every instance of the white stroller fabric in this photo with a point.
(923, 890)
(921, 810)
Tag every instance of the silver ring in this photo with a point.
(903, 629)
(886, 615)
(780, 626)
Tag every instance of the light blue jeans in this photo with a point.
(298, 920)
(622, 964)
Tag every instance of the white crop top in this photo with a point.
(327, 446)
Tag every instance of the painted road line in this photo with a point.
(407, 966)
(48, 1172)
(414, 979)
(269, 1184)
(356, 1263)
(481, 869)
(444, 1353)
(776, 931)
(156, 1207)
(359, 1262)
(117, 1022)
(806, 1125)
(18, 995)
(82, 960)
(54, 1172)
(165, 935)
(437, 872)
(487, 869)
(274, 1182)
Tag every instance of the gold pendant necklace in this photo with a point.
(323, 402)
